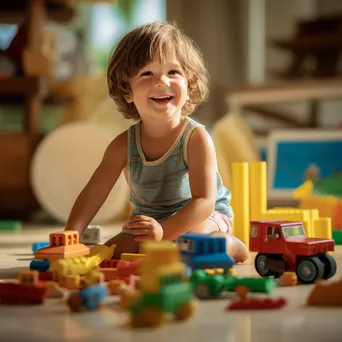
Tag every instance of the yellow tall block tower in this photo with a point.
(257, 190)
(240, 201)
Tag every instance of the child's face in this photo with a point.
(159, 89)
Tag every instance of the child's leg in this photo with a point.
(124, 244)
(218, 226)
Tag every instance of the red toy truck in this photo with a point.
(283, 246)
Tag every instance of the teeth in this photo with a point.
(161, 98)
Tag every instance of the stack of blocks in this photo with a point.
(249, 201)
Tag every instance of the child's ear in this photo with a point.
(128, 98)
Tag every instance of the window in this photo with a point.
(254, 231)
(273, 233)
(293, 231)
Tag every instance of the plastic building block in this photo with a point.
(40, 265)
(92, 235)
(111, 263)
(336, 217)
(28, 290)
(131, 256)
(83, 265)
(90, 298)
(114, 286)
(326, 294)
(257, 304)
(337, 236)
(240, 201)
(10, 225)
(63, 245)
(289, 279)
(203, 251)
(45, 276)
(38, 245)
(283, 246)
(162, 287)
(208, 286)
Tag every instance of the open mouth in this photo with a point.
(162, 99)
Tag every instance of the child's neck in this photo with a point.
(157, 129)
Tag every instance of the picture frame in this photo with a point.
(291, 152)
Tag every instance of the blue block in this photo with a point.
(93, 296)
(40, 265)
(38, 245)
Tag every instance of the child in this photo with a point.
(157, 75)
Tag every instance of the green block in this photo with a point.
(337, 236)
(10, 225)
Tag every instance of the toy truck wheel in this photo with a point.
(75, 302)
(309, 270)
(329, 265)
(202, 291)
(259, 263)
(148, 317)
(185, 310)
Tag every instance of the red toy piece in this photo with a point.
(282, 246)
(257, 304)
(28, 290)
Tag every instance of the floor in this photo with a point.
(53, 322)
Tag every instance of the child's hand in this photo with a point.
(144, 228)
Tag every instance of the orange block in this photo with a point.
(63, 245)
(337, 216)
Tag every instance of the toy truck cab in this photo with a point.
(283, 246)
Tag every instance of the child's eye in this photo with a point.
(174, 72)
(146, 73)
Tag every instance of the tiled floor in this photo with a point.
(53, 321)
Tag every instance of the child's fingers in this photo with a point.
(143, 238)
(138, 224)
(141, 231)
(139, 218)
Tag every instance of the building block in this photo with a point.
(62, 245)
(40, 265)
(326, 294)
(240, 201)
(337, 236)
(337, 216)
(38, 245)
(92, 235)
(257, 304)
(131, 256)
(322, 228)
(10, 225)
(257, 189)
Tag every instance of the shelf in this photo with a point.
(21, 86)
(13, 12)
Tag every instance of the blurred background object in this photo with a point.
(274, 66)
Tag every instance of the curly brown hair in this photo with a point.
(138, 47)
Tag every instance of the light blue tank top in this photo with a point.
(160, 188)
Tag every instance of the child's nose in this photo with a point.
(162, 82)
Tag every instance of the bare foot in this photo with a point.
(235, 248)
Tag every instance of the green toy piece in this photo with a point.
(174, 296)
(337, 236)
(10, 225)
(208, 286)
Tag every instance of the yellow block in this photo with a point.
(303, 216)
(257, 190)
(322, 228)
(240, 201)
(314, 215)
(131, 256)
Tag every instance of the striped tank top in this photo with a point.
(160, 188)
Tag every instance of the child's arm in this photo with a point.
(99, 186)
(203, 183)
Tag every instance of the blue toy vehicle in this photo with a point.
(203, 251)
(90, 298)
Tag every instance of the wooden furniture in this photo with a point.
(16, 149)
(312, 74)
